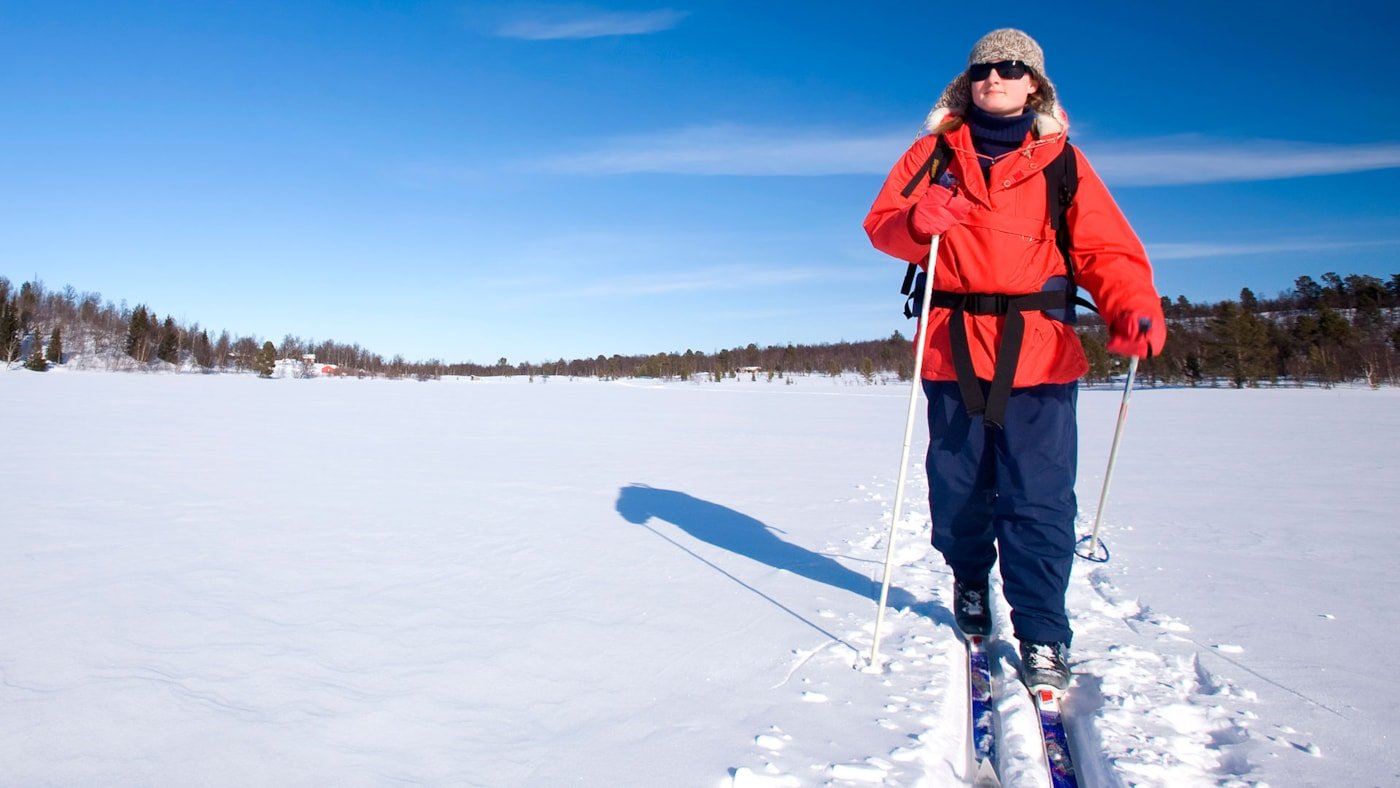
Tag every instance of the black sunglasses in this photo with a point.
(1006, 69)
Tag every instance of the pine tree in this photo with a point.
(1328, 342)
(1368, 296)
(867, 369)
(1183, 307)
(1248, 301)
(265, 361)
(1242, 349)
(138, 332)
(9, 329)
(203, 351)
(169, 349)
(28, 304)
(36, 360)
(1334, 292)
(55, 351)
(1194, 369)
(1308, 290)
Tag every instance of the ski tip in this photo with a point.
(986, 776)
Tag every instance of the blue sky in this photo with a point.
(474, 180)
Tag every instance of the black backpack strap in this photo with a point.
(933, 168)
(992, 406)
(1061, 183)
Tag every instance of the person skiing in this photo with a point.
(1002, 359)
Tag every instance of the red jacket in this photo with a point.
(1006, 245)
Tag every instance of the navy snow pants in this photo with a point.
(1009, 488)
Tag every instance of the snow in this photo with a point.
(222, 580)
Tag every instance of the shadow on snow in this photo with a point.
(744, 535)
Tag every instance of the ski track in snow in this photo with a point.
(1143, 711)
(329, 634)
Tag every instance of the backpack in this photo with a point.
(1061, 181)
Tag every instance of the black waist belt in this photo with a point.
(993, 405)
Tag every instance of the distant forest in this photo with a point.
(1341, 329)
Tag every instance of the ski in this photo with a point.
(981, 715)
(1052, 731)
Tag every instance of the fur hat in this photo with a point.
(998, 45)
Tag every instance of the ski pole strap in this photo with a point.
(992, 407)
(907, 288)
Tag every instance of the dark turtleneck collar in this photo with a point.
(994, 135)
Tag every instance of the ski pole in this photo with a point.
(1092, 553)
(908, 439)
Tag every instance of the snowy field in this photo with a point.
(220, 580)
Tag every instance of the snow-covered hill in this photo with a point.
(223, 580)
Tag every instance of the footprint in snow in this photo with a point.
(858, 772)
(768, 742)
(745, 777)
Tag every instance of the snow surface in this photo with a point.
(221, 580)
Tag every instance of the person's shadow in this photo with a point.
(744, 535)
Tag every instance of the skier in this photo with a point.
(1002, 358)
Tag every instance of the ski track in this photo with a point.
(1145, 708)
(160, 659)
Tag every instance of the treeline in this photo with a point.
(1342, 329)
(869, 358)
(1337, 330)
(61, 326)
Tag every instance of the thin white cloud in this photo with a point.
(732, 149)
(1194, 251)
(1185, 160)
(558, 23)
(729, 149)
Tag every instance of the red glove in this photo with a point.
(936, 212)
(1136, 334)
